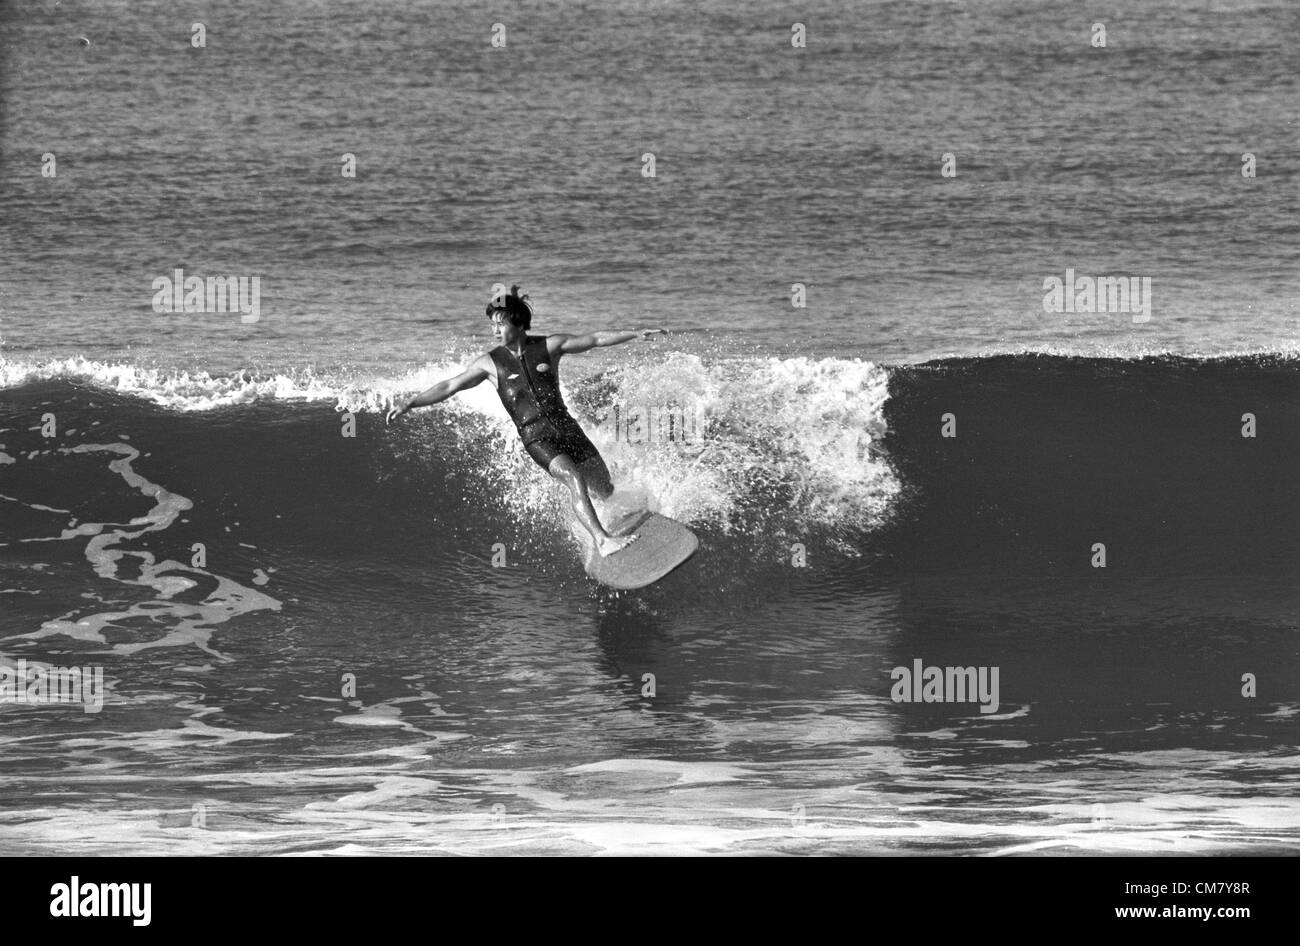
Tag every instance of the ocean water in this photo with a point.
(320, 634)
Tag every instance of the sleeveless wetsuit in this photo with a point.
(530, 392)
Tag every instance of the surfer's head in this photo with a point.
(510, 306)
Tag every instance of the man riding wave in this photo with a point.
(525, 370)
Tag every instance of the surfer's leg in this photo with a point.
(566, 471)
(590, 463)
(597, 476)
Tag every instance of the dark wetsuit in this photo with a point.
(530, 392)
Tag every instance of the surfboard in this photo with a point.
(662, 544)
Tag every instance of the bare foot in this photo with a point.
(614, 543)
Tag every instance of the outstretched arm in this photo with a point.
(573, 344)
(474, 374)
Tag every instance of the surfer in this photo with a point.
(525, 370)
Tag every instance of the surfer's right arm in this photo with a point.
(475, 374)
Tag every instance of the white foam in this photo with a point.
(800, 435)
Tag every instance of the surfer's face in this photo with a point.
(503, 331)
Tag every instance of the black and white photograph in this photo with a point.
(651, 428)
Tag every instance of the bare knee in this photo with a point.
(562, 469)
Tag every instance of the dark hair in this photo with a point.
(517, 309)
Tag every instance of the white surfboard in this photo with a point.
(661, 545)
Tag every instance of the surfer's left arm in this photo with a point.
(573, 344)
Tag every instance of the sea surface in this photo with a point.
(321, 634)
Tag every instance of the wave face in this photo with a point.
(1010, 466)
(227, 555)
(1055, 454)
(741, 446)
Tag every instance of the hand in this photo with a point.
(647, 332)
(393, 414)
